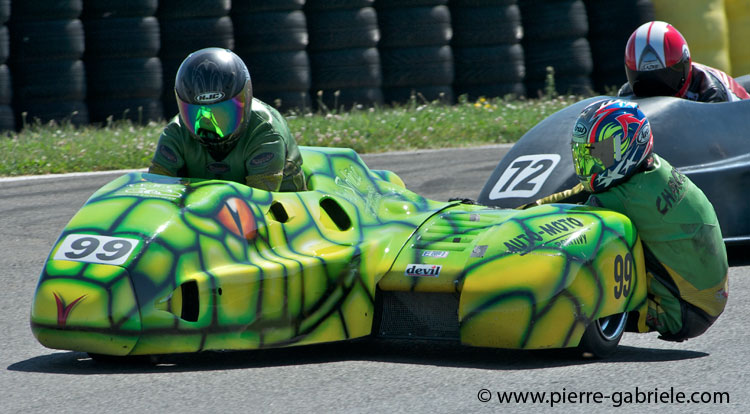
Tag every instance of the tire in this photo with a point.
(266, 5)
(129, 37)
(317, 5)
(610, 24)
(553, 19)
(489, 64)
(182, 37)
(398, 4)
(283, 71)
(46, 9)
(482, 3)
(348, 68)
(4, 44)
(484, 26)
(37, 41)
(7, 118)
(417, 66)
(275, 31)
(343, 29)
(603, 335)
(6, 86)
(4, 11)
(567, 56)
(190, 9)
(62, 80)
(416, 26)
(124, 78)
(115, 9)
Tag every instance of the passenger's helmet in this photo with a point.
(657, 61)
(214, 96)
(611, 140)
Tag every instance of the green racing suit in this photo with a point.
(265, 156)
(686, 260)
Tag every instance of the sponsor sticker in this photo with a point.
(440, 254)
(580, 129)
(479, 251)
(209, 97)
(423, 270)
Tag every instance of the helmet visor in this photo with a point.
(586, 164)
(214, 122)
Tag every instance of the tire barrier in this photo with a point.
(555, 36)
(344, 60)
(487, 51)
(48, 75)
(7, 119)
(87, 60)
(415, 53)
(123, 70)
(703, 23)
(186, 26)
(271, 37)
(610, 24)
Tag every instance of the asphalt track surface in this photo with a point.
(368, 377)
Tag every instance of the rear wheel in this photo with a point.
(603, 335)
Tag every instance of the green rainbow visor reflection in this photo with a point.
(213, 120)
(205, 114)
(585, 164)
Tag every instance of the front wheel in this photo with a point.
(602, 336)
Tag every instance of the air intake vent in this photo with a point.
(190, 301)
(336, 213)
(419, 315)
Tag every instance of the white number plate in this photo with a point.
(525, 176)
(96, 249)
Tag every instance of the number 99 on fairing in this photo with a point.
(91, 248)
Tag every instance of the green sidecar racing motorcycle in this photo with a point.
(158, 265)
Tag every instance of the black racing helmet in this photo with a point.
(214, 96)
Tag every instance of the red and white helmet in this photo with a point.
(657, 61)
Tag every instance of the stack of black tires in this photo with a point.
(555, 36)
(344, 59)
(123, 69)
(46, 47)
(186, 26)
(271, 37)
(7, 121)
(489, 58)
(415, 52)
(610, 23)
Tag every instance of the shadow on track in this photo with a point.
(400, 352)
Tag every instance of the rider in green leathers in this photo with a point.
(222, 132)
(686, 260)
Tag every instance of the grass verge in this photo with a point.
(59, 148)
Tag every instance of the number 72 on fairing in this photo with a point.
(524, 176)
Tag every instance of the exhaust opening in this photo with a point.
(190, 301)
